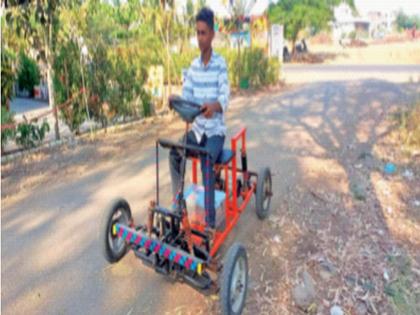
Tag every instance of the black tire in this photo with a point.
(263, 193)
(114, 248)
(232, 303)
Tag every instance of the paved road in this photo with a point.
(31, 108)
(324, 72)
(353, 68)
(51, 263)
(22, 105)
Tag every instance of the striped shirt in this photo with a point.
(208, 84)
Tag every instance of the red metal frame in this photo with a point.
(233, 210)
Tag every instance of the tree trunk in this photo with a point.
(168, 56)
(294, 39)
(239, 63)
(66, 76)
(293, 47)
(51, 99)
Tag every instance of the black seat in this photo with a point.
(225, 157)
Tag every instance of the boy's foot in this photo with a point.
(211, 234)
(215, 264)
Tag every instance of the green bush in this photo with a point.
(28, 75)
(8, 76)
(113, 76)
(127, 76)
(234, 65)
(9, 133)
(29, 134)
(67, 83)
(146, 103)
(182, 61)
(75, 114)
(404, 21)
(253, 66)
(410, 125)
(97, 82)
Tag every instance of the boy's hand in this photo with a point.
(210, 109)
(172, 96)
(207, 110)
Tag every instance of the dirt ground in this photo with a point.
(340, 224)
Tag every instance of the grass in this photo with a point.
(400, 291)
(409, 125)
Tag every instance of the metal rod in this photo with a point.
(168, 144)
(234, 168)
(183, 167)
(157, 173)
(251, 173)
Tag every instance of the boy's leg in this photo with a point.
(214, 145)
(175, 159)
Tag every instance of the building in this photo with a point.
(373, 24)
(345, 24)
(382, 23)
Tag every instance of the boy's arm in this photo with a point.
(223, 84)
(223, 91)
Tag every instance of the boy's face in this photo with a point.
(204, 35)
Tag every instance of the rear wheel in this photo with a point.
(113, 247)
(263, 193)
(234, 281)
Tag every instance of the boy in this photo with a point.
(207, 84)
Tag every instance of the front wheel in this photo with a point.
(114, 247)
(234, 281)
(263, 193)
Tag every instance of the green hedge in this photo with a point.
(253, 66)
(8, 75)
(182, 61)
(114, 78)
(7, 134)
(29, 74)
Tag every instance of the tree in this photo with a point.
(187, 26)
(38, 21)
(296, 15)
(405, 21)
(7, 77)
(121, 47)
(165, 25)
(28, 75)
(236, 25)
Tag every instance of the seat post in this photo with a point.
(194, 171)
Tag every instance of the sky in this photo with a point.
(408, 6)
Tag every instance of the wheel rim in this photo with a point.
(267, 192)
(116, 243)
(238, 285)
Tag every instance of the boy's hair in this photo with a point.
(206, 15)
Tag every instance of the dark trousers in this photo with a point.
(214, 145)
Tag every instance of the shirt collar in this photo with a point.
(210, 61)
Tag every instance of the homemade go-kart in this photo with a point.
(174, 241)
